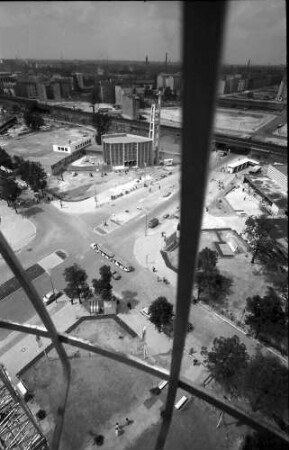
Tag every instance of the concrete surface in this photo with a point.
(17, 230)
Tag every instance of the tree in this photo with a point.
(213, 284)
(266, 315)
(105, 274)
(226, 361)
(75, 278)
(33, 119)
(161, 312)
(265, 384)
(207, 260)
(102, 286)
(261, 245)
(33, 174)
(263, 441)
(9, 190)
(5, 159)
(101, 123)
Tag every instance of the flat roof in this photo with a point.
(269, 188)
(49, 158)
(243, 161)
(282, 168)
(124, 138)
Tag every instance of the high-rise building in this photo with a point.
(130, 106)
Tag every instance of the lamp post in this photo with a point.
(48, 271)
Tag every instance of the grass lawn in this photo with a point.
(194, 427)
(207, 239)
(248, 279)
(102, 392)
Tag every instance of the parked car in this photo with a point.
(93, 246)
(145, 312)
(116, 275)
(165, 216)
(51, 296)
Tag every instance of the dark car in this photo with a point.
(153, 222)
(116, 275)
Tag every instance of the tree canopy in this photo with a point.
(33, 174)
(212, 284)
(266, 315)
(5, 159)
(33, 119)
(9, 190)
(265, 384)
(207, 260)
(95, 97)
(263, 441)
(75, 278)
(102, 285)
(226, 361)
(101, 123)
(257, 230)
(161, 312)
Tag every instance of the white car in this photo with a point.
(51, 296)
(145, 312)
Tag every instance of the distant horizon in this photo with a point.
(141, 61)
(255, 30)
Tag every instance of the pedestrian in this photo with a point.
(117, 429)
(127, 421)
(129, 305)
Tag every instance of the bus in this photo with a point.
(122, 264)
(105, 252)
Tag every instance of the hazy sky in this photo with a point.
(131, 30)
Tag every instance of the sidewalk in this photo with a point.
(147, 250)
(17, 230)
(23, 350)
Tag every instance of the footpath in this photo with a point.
(18, 349)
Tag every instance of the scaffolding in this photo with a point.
(155, 126)
(18, 428)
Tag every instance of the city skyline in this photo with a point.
(255, 30)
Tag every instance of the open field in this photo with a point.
(228, 119)
(39, 144)
(104, 392)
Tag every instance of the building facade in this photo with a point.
(73, 146)
(127, 150)
(130, 107)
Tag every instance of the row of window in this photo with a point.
(63, 149)
(83, 144)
